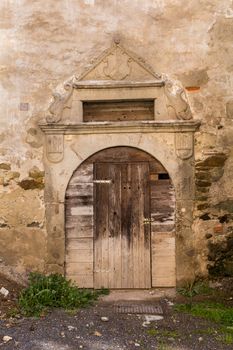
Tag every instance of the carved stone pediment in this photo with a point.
(117, 63)
(118, 74)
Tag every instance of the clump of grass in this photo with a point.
(163, 346)
(216, 312)
(53, 291)
(162, 333)
(209, 331)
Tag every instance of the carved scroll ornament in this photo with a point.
(60, 101)
(177, 104)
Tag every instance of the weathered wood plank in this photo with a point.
(84, 268)
(79, 243)
(101, 257)
(79, 255)
(79, 220)
(82, 210)
(114, 222)
(163, 259)
(79, 232)
(118, 110)
(83, 281)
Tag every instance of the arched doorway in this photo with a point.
(119, 222)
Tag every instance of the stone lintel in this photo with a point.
(122, 127)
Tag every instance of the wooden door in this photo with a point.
(122, 237)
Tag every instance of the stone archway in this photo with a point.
(139, 109)
(120, 227)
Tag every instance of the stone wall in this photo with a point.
(44, 43)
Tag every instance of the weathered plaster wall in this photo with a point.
(45, 42)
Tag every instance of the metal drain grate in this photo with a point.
(139, 309)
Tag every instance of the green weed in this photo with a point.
(53, 291)
(191, 289)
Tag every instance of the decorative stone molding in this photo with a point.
(184, 131)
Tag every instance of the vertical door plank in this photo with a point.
(135, 230)
(140, 199)
(125, 226)
(101, 263)
(144, 179)
(115, 226)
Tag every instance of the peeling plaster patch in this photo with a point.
(193, 78)
(222, 30)
(89, 2)
(76, 151)
(229, 13)
(3, 223)
(229, 109)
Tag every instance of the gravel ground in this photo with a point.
(85, 329)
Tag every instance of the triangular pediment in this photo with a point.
(118, 64)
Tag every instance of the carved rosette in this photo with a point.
(184, 145)
(55, 148)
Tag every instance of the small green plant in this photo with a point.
(13, 313)
(226, 338)
(193, 288)
(190, 290)
(53, 291)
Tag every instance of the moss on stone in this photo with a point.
(226, 205)
(32, 184)
(35, 173)
(201, 183)
(216, 160)
(5, 166)
(203, 206)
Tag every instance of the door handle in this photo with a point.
(102, 181)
